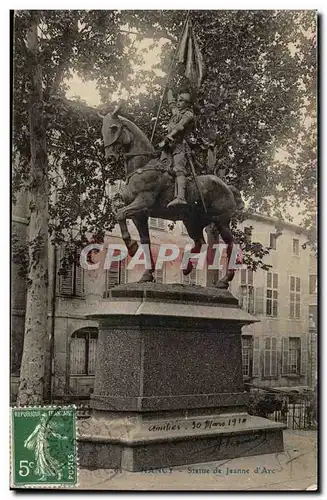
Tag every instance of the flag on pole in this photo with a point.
(190, 55)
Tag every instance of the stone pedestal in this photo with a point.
(168, 386)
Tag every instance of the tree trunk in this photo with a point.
(32, 372)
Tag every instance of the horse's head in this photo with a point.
(120, 132)
(114, 133)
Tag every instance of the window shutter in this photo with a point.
(66, 282)
(259, 300)
(152, 222)
(79, 280)
(251, 300)
(112, 276)
(292, 307)
(256, 357)
(157, 223)
(274, 357)
(285, 349)
(77, 356)
(304, 356)
(92, 355)
(72, 282)
(266, 364)
(243, 276)
(250, 277)
(313, 284)
(122, 272)
(292, 284)
(297, 310)
(272, 241)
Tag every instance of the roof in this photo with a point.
(279, 222)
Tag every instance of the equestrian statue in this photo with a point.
(164, 184)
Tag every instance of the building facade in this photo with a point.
(275, 349)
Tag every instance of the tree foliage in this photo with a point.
(258, 97)
(91, 45)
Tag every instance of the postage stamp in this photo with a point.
(44, 448)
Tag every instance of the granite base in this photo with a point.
(169, 385)
(136, 443)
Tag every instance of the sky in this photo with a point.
(88, 91)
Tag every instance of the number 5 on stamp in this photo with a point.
(43, 447)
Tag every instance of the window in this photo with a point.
(270, 357)
(291, 359)
(256, 357)
(272, 295)
(246, 277)
(116, 275)
(247, 355)
(83, 351)
(71, 281)
(273, 241)
(190, 279)
(296, 246)
(312, 284)
(246, 295)
(295, 297)
(156, 223)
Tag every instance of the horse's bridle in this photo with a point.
(151, 154)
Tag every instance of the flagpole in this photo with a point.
(168, 77)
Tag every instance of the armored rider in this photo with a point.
(179, 129)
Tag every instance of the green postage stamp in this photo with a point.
(43, 447)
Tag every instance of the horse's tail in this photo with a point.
(235, 192)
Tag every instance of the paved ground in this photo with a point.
(295, 469)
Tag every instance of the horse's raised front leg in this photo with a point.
(141, 223)
(138, 205)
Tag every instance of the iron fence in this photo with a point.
(298, 415)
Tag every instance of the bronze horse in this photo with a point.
(150, 187)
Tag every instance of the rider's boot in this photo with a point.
(180, 198)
